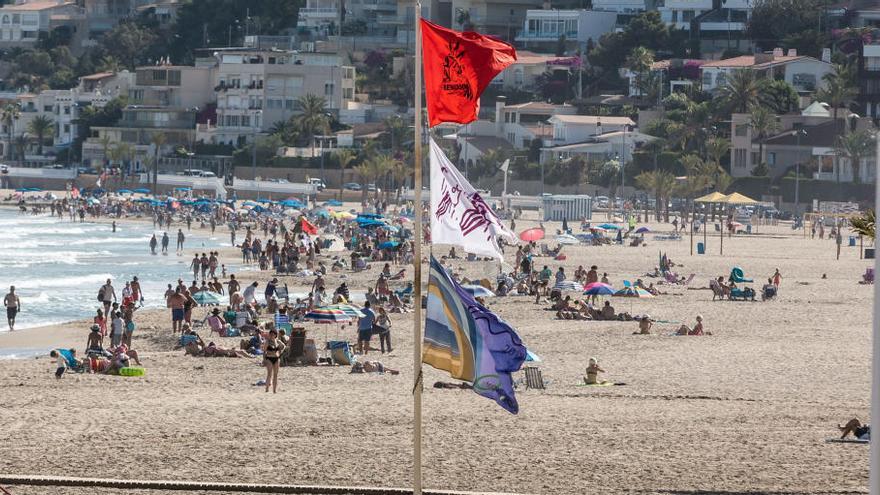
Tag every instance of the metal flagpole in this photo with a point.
(417, 263)
(874, 472)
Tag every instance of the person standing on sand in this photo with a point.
(272, 349)
(13, 307)
(165, 241)
(180, 239)
(777, 278)
(107, 295)
(176, 302)
(195, 265)
(234, 286)
(136, 292)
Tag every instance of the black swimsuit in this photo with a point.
(271, 359)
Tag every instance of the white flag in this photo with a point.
(459, 215)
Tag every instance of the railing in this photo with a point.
(545, 36)
(267, 187)
(197, 183)
(42, 173)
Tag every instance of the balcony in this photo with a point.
(545, 36)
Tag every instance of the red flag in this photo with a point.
(458, 67)
(307, 227)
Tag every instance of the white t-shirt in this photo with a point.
(249, 297)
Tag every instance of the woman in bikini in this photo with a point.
(272, 350)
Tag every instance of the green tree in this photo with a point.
(763, 124)
(660, 183)
(129, 43)
(780, 97)
(838, 91)
(773, 21)
(345, 157)
(855, 146)
(639, 62)
(741, 91)
(41, 126)
(313, 119)
(864, 224)
(9, 116)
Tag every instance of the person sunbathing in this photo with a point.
(562, 304)
(214, 350)
(372, 367)
(856, 428)
(593, 370)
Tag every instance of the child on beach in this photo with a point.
(593, 371)
(61, 363)
(117, 327)
(101, 322)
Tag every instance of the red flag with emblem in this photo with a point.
(308, 227)
(458, 67)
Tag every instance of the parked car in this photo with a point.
(371, 187)
(352, 186)
(319, 183)
(4, 169)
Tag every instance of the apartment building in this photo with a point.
(543, 28)
(528, 68)
(719, 24)
(22, 22)
(180, 86)
(502, 18)
(259, 88)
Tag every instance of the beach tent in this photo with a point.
(737, 199)
(713, 197)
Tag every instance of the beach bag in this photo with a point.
(101, 294)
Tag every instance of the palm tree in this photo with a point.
(864, 225)
(400, 173)
(853, 147)
(742, 90)
(345, 157)
(660, 183)
(118, 154)
(763, 124)
(313, 120)
(40, 126)
(639, 61)
(8, 116)
(21, 144)
(839, 91)
(398, 129)
(157, 140)
(696, 181)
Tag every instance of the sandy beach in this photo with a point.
(747, 409)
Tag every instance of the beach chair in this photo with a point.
(281, 293)
(736, 275)
(768, 293)
(534, 378)
(717, 291)
(868, 277)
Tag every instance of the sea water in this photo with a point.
(57, 266)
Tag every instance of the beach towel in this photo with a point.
(601, 384)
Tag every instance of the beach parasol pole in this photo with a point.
(874, 472)
(417, 261)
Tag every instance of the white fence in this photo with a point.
(558, 208)
(196, 183)
(42, 173)
(267, 187)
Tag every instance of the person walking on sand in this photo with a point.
(777, 278)
(154, 243)
(195, 265)
(176, 302)
(136, 292)
(107, 295)
(272, 349)
(165, 242)
(13, 307)
(180, 239)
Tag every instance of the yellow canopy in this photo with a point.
(737, 199)
(713, 197)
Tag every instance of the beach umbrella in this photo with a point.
(35, 189)
(598, 289)
(349, 309)
(389, 245)
(569, 285)
(737, 199)
(264, 200)
(637, 292)
(249, 203)
(642, 230)
(124, 191)
(292, 203)
(609, 226)
(93, 201)
(183, 189)
(292, 212)
(529, 235)
(370, 215)
(328, 315)
(142, 191)
(333, 202)
(478, 290)
(531, 356)
(567, 239)
(205, 297)
(21, 190)
(323, 213)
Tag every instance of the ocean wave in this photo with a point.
(79, 281)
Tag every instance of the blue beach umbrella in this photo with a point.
(389, 245)
(206, 297)
(478, 291)
(124, 191)
(609, 226)
(142, 191)
(598, 289)
(333, 202)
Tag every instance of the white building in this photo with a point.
(543, 28)
(258, 88)
(804, 73)
(22, 22)
(615, 145)
(721, 25)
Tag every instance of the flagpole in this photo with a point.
(417, 262)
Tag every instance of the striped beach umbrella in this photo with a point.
(569, 285)
(633, 292)
(349, 309)
(204, 297)
(598, 289)
(328, 315)
(478, 290)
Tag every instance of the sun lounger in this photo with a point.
(746, 294)
(768, 293)
(534, 378)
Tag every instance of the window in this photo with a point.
(348, 93)
(174, 78)
(771, 158)
(533, 26)
(16, 18)
(511, 138)
(721, 79)
(27, 34)
(66, 128)
(518, 76)
(329, 89)
(288, 104)
(6, 19)
(707, 78)
(739, 158)
(245, 121)
(872, 63)
(807, 82)
(47, 108)
(687, 15)
(558, 132)
(741, 130)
